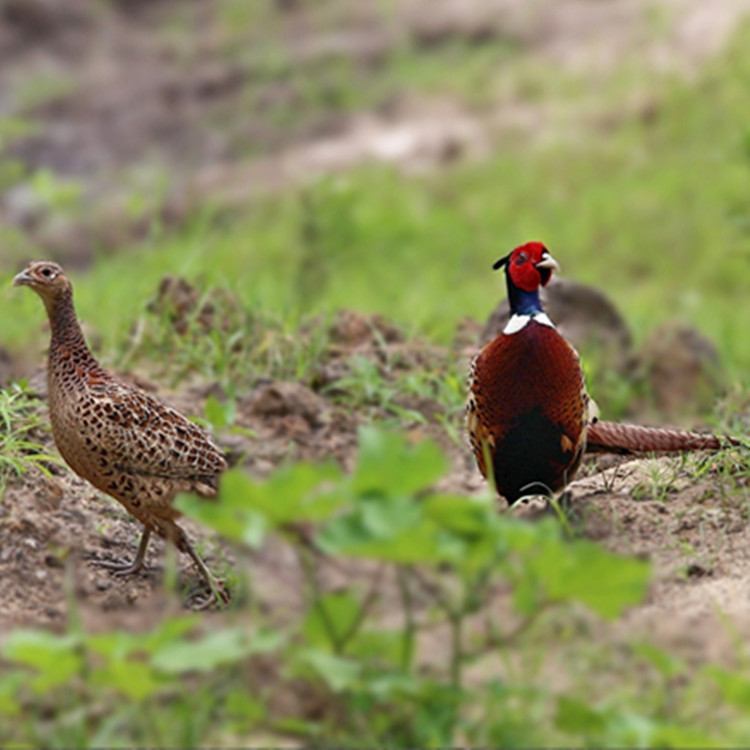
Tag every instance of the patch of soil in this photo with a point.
(696, 534)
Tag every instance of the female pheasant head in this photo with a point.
(47, 279)
(527, 268)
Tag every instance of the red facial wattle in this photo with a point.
(524, 274)
(522, 266)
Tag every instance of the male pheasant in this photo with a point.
(118, 437)
(528, 412)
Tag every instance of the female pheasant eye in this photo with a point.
(47, 272)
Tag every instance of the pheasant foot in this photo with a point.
(123, 568)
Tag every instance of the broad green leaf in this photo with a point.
(220, 414)
(670, 735)
(384, 648)
(222, 647)
(302, 492)
(237, 524)
(411, 544)
(460, 514)
(388, 464)
(134, 679)
(330, 619)
(231, 514)
(393, 686)
(575, 717)
(113, 645)
(10, 687)
(382, 517)
(247, 508)
(247, 707)
(583, 572)
(734, 687)
(338, 673)
(169, 631)
(55, 657)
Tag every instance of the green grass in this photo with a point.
(653, 213)
(20, 428)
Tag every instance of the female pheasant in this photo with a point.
(528, 413)
(528, 410)
(118, 437)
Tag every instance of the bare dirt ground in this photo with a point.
(132, 104)
(694, 531)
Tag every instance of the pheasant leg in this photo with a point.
(122, 568)
(219, 595)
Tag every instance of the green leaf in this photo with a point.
(245, 708)
(383, 517)
(113, 645)
(220, 414)
(338, 673)
(392, 686)
(575, 717)
(170, 630)
(55, 657)
(460, 514)
(384, 648)
(223, 647)
(134, 679)
(388, 464)
(297, 493)
(231, 514)
(734, 687)
(246, 509)
(10, 687)
(669, 735)
(410, 543)
(584, 572)
(330, 619)
(240, 525)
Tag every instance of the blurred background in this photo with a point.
(281, 217)
(312, 155)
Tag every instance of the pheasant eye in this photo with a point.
(521, 259)
(47, 272)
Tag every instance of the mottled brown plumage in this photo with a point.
(121, 439)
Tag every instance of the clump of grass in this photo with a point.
(20, 422)
(211, 332)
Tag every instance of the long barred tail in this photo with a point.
(611, 437)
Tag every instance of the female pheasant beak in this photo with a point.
(22, 279)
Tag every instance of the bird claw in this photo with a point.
(217, 598)
(120, 567)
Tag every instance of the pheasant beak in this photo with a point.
(548, 261)
(22, 279)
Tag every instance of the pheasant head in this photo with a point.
(527, 268)
(48, 280)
